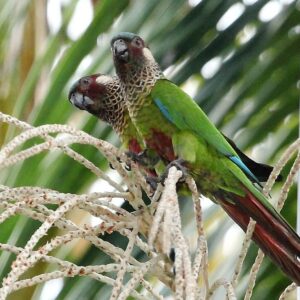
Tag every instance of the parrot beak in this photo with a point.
(120, 50)
(79, 99)
(72, 91)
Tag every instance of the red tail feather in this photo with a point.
(272, 234)
(270, 219)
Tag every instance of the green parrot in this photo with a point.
(174, 126)
(101, 96)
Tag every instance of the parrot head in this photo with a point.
(101, 96)
(129, 49)
(90, 93)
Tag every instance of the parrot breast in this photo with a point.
(161, 144)
(134, 146)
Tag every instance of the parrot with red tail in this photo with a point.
(175, 127)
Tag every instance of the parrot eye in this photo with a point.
(138, 42)
(85, 81)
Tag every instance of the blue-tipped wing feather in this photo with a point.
(175, 105)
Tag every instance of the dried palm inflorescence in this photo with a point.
(159, 222)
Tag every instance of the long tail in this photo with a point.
(272, 233)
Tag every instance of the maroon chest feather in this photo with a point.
(162, 144)
(134, 146)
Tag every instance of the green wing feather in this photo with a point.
(185, 114)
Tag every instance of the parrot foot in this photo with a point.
(153, 182)
(172, 259)
(127, 167)
(118, 159)
(136, 157)
(144, 158)
(172, 254)
(178, 163)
